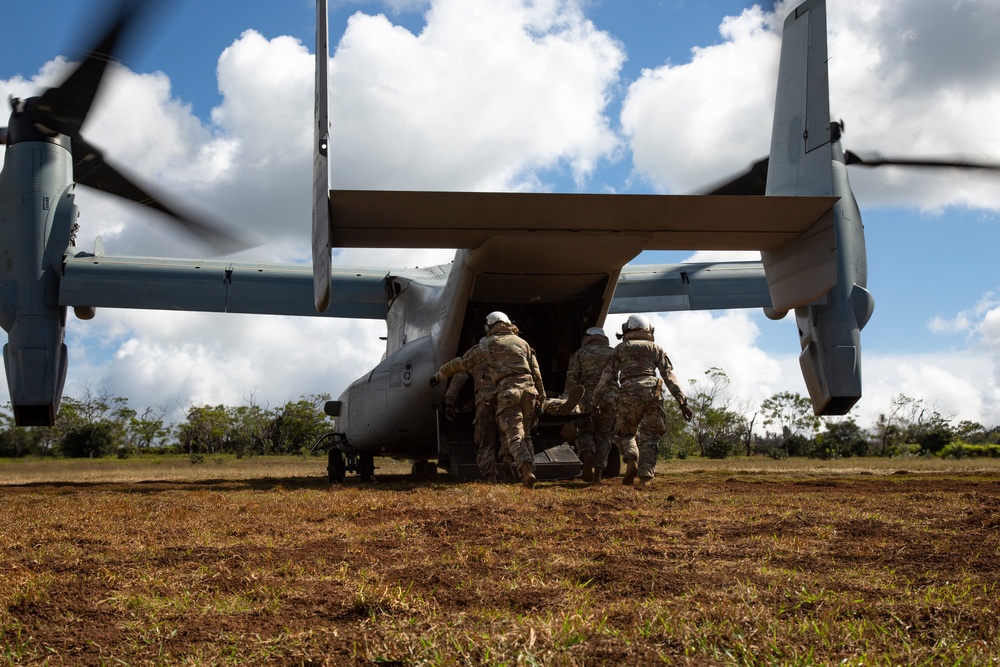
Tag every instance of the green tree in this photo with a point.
(90, 440)
(792, 413)
(910, 421)
(719, 423)
(16, 441)
(297, 424)
(89, 427)
(205, 430)
(678, 440)
(841, 439)
(247, 434)
(146, 430)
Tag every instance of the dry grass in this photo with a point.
(733, 562)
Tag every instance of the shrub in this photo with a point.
(89, 440)
(961, 450)
(719, 448)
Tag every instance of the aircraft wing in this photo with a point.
(217, 286)
(695, 286)
(407, 219)
(101, 281)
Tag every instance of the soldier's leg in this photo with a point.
(585, 448)
(584, 436)
(604, 428)
(512, 408)
(652, 426)
(486, 439)
(627, 424)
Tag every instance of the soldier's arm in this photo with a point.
(536, 373)
(573, 372)
(454, 387)
(453, 367)
(669, 379)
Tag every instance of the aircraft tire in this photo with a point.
(366, 467)
(335, 467)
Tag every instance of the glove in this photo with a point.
(434, 381)
(449, 413)
(687, 412)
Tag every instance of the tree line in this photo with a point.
(101, 425)
(784, 425)
(722, 426)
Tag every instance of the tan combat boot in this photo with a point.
(527, 476)
(588, 468)
(630, 472)
(598, 472)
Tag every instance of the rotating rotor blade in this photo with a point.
(64, 109)
(853, 158)
(751, 182)
(91, 169)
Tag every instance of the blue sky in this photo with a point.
(663, 97)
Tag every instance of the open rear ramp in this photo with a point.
(554, 458)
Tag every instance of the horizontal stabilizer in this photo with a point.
(398, 219)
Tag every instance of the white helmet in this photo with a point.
(496, 316)
(594, 331)
(638, 322)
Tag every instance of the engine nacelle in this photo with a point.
(37, 212)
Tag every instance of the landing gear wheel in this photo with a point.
(423, 469)
(366, 467)
(335, 466)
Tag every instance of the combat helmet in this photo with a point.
(637, 323)
(496, 316)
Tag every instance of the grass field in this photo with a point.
(743, 561)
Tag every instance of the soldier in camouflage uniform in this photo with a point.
(634, 364)
(518, 380)
(485, 420)
(593, 433)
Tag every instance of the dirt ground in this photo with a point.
(706, 567)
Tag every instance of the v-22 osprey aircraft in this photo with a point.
(556, 263)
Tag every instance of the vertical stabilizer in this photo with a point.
(321, 165)
(822, 275)
(799, 163)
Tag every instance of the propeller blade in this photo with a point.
(853, 158)
(64, 109)
(751, 182)
(91, 169)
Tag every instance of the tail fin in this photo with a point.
(799, 163)
(823, 273)
(321, 165)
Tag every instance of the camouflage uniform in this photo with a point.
(634, 364)
(652, 428)
(514, 370)
(485, 420)
(593, 433)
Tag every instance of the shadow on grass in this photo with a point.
(386, 483)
